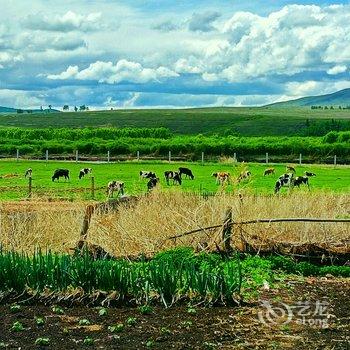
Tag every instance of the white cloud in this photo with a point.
(184, 65)
(312, 88)
(67, 22)
(47, 41)
(294, 39)
(337, 70)
(19, 99)
(123, 70)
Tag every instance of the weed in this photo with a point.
(17, 326)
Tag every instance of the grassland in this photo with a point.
(13, 185)
(263, 121)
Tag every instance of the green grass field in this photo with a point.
(249, 121)
(16, 187)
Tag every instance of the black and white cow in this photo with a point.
(84, 172)
(285, 180)
(60, 173)
(147, 174)
(28, 173)
(306, 173)
(186, 172)
(115, 186)
(152, 183)
(174, 175)
(301, 180)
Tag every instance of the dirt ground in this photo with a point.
(309, 314)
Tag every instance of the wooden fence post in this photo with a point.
(108, 156)
(235, 157)
(17, 155)
(335, 160)
(226, 231)
(138, 155)
(169, 156)
(202, 158)
(30, 187)
(267, 158)
(47, 155)
(92, 187)
(300, 159)
(76, 155)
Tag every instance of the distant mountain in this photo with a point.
(339, 98)
(14, 110)
(7, 110)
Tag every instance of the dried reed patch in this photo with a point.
(26, 226)
(145, 226)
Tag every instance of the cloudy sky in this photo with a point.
(109, 53)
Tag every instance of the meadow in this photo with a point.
(249, 121)
(14, 186)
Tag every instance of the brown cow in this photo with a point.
(269, 171)
(222, 177)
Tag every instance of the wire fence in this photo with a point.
(266, 158)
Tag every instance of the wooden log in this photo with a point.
(227, 231)
(94, 250)
(30, 187)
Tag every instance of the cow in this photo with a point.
(174, 175)
(60, 173)
(244, 175)
(222, 177)
(269, 171)
(147, 174)
(300, 180)
(84, 172)
(28, 173)
(285, 180)
(290, 169)
(308, 174)
(152, 182)
(113, 186)
(186, 172)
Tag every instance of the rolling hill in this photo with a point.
(7, 110)
(251, 121)
(339, 98)
(14, 110)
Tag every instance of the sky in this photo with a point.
(184, 53)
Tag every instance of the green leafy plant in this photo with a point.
(57, 310)
(116, 328)
(40, 321)
(88, 341)
(191, 310)
(165, 331)
(17, 326)
(84, 322)
(43, 341)
(131, 321)
(145, 309)
(15, 308)
(103, 312)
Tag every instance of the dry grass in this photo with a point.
(25, 226)
(145, 226)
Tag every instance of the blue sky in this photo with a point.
(137, 54)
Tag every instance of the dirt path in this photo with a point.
(207, 328)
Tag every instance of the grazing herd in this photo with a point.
(288, 179)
